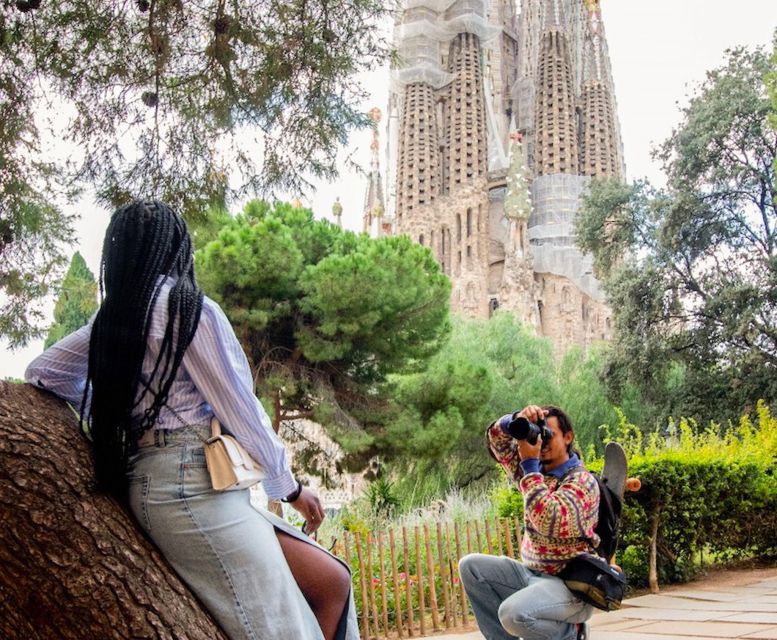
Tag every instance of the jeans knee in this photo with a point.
(514, 622)
(467, 568)
(464, 567)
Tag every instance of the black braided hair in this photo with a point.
(144, 240)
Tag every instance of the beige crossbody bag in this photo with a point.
(229, 465)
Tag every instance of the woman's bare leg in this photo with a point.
(325, 583)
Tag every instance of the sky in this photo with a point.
(659, 51)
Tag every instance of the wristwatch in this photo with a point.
(294, 494)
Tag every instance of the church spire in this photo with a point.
(373, 199)
(555, 118)
(337, 212)
(517, 197)
(599, 145)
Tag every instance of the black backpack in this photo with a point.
(608, 522)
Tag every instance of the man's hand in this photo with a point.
(533, 413)
(526, 450)
(309, 507)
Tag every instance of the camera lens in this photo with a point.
(523, 429)
(519, 428)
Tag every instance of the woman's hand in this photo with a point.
(309, 507)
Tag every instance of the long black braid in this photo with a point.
(144, 240)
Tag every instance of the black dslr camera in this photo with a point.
(521, 428)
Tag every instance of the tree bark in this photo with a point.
(655, 517)
(74, 563)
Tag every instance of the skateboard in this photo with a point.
(616, 468)
(615, 477)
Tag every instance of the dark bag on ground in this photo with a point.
(594, 580)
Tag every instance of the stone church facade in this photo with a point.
(496, 123)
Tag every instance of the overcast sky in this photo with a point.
(659, 50)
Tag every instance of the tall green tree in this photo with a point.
(691, 270)
(189, 102)
(160, 90)
(76, 303)
(33, 236)
(771, 85)
(325, 315)
(434, 440)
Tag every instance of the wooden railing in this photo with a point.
(406, 579)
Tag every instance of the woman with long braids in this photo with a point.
(151, 368)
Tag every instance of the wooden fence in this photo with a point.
(406, 580)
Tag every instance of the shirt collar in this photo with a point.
(559, 471)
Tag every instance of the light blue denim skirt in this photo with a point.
(225, 549)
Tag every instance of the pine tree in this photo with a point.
(76, 303)
(194, 103)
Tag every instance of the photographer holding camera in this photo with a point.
(561, 500)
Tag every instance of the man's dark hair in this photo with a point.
(144, 240)
(564, 423)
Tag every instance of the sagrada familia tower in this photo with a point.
(496, 123)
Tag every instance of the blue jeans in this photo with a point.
(512, 601)
(224, 549)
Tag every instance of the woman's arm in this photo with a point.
(62, 368)
(217, 365)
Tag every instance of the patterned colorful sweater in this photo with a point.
(560, 508)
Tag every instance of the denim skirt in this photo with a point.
(222, 547)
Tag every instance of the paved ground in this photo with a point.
(740, 604)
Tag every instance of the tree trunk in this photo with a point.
(74, 563)
(655, 518)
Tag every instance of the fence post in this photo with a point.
(498, 532)
(397, 601)
(419, 565)
(453, 574)
(408, 583)
(432, 585)
(446, 597)
(363, 580)
(383, 599)
(508, 537)
(487, 533)
(464, 616)
(374, 606)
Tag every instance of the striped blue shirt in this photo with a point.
(214, 378)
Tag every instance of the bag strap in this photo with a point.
(215, 427)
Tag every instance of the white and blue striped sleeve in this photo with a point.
(62, 368)
(218, 367)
